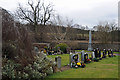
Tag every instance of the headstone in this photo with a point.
(36, 49)
(86, 57)
(82, 55)
(90, 42)
(74, 59)
(99, 55)
(96, 53)
(93, 55)
(58, 61)
(109, 54)
(71, 59)
(104, 53)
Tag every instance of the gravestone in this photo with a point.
(86, 57)
(99, 55)
(36, 50)
(82, 55)
(93, 55)
(109, 54)
(71, 59)
(96, 53)
(75, 62)
(74, 59)
(58, 61)
(104, 53)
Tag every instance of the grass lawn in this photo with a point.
(105, 68)
(117, 52)
(64, 58)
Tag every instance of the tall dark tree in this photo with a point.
(35, 13)
(16, 43)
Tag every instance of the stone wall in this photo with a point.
(84, 46)
(115, 47)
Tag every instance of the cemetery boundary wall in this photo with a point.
(84, 46)
(114, 46)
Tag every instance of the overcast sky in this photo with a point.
(83, 12)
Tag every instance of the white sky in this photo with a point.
(83, 12)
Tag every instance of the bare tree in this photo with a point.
(103, 32)
(35, 14)
(16, 40)
(62, 29)
(113, 34)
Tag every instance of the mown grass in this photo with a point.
(117, 52)
(64, 58)
(105, 68)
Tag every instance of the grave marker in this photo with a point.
(71, 59)
(104, 53)
(96, 53)
(93, 55)
(82, 55)
(86, 58)
(58, 61)
(111, 53)
(99, 54)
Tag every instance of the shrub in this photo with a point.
(40, 68)
(62, 46)
(16, 40)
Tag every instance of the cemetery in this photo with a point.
(46, 49)
(106, 68)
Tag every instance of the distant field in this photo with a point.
(105, 68)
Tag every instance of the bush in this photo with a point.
(62, 46)
(40, 68)
(16, 40)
